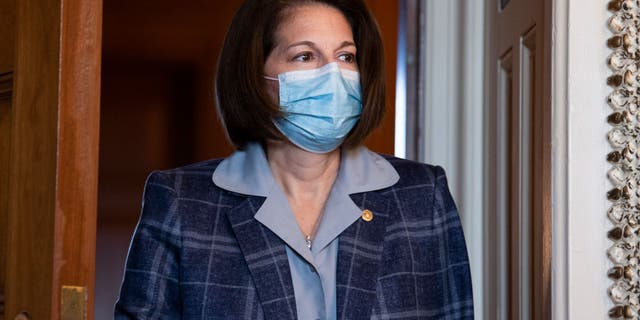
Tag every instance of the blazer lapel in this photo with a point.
(266, 258)
(359, 258)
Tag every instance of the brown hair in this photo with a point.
(243, 102)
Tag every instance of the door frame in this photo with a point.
(559, 243)
(53, 166)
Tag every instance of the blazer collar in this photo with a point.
(248, 172)
(266, 258)
(360, 250)
(361, 172)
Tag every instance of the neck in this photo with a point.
(303, 175)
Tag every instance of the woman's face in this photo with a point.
(309, 37)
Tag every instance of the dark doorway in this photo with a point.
(157, 112)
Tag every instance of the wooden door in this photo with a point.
(519, 68)
(49, 125)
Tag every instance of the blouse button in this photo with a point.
(367, 215)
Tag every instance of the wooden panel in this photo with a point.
(53, 167)
(7, 34)
(33, 166)
(514, 21)
(524, 27)
(6, 86)
(386, 12)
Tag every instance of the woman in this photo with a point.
(300, 222)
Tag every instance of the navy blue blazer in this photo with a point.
(198, 253)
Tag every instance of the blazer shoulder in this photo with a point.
(192, 174)
(413, 172)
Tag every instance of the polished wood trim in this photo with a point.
(54, 154)
(78, 141)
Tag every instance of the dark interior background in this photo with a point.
(158, 109)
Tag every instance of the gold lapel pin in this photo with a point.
(367, 215)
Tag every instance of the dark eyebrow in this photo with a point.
(302, 43)
(346, 44)
(313, 45)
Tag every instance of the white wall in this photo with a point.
(579, 261)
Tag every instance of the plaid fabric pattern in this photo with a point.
(198, 253)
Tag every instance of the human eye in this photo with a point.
(347, 57)
(303, 57)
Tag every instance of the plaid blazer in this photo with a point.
(198, 253)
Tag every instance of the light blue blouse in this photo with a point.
(313, 272)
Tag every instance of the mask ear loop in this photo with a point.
(270, 78)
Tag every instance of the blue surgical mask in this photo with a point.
(320, 106)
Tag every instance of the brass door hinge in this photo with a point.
(74, 303)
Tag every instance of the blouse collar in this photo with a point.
(248, 172)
